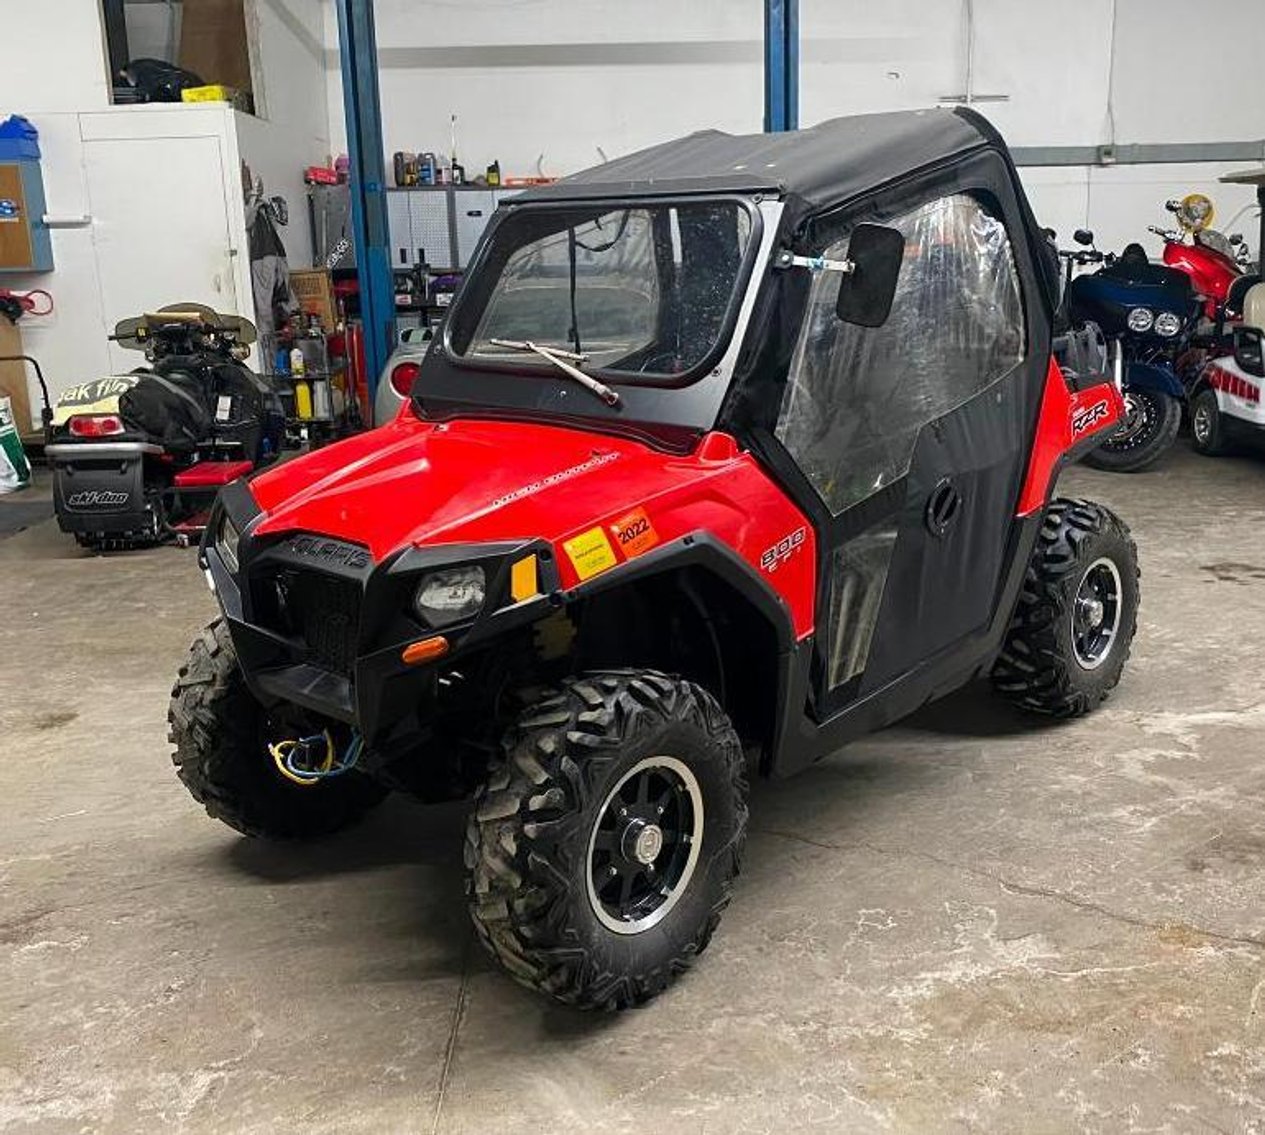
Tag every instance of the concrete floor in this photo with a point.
(968, 922)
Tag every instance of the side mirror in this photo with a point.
(1084, 237)
(866, 293)
(1249, 350)
(1236, 238)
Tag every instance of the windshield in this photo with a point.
(636, 292)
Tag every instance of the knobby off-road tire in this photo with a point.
(220, 735)
(1208, 433)
(1148, 433)
(534, 837)
(1083, 551)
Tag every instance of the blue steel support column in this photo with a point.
(358, 52)
(781, 65)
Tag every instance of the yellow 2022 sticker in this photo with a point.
(590, 553)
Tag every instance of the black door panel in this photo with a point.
(941, 587)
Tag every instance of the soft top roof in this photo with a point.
(828, 163)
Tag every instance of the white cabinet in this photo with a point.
(162, 232)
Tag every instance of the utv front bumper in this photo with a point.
(317, 623)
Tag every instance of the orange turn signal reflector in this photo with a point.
(523, 583)
(424, 650)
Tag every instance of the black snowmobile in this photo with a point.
(138, 458)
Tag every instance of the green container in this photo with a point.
(15, 470)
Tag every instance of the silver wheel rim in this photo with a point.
(1142, 415)
(630, 839)
(1202, 423)
(1096, 613)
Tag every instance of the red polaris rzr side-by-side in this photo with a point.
(730, 450)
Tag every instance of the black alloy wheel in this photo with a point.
(1151, 421)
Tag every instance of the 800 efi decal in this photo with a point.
(784, 549)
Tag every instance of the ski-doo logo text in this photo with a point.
(96, 498)
(1084, 419)
(784, 549)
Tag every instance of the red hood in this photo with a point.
(470, 481)
(414, 482)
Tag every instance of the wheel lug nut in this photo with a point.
(613, 869)
(659, 809)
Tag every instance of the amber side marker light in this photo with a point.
(523, 583)
(424, 650)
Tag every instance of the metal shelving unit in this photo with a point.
(440, 223)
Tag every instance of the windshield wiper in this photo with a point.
(563, 360)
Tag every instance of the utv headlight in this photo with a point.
(226, 543)
(1140, 319)
(1167, 324)
(448, 596)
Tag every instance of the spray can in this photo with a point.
(302, 388)
(322, 404)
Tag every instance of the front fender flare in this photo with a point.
(1150, 376)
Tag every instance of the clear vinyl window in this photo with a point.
(638, 291)
(857, 397)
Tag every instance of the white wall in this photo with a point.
(53, 65)
(563, 107)
(291, 131)
(53, 69)
(1075, 73)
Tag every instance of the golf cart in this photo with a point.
(730, 451)
(1225, 397)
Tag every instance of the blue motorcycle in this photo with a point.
(1147, 314)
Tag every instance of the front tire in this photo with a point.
(602, 852)
(1075, 620)
(1150, 427)
(220, 733)
(1208, 434)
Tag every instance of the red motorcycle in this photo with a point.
(1213, 261)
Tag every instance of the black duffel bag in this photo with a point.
(169, 409)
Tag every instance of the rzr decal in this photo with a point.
(634, 533)
(783, 550)
(1089, 417)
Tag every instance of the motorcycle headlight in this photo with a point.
(448, 596)
(226, 542)
(1140, 319)
(1167, 324)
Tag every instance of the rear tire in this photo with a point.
(554, 836)
(1151, 423)
(1208, 434)
(219, 731)
(1053, 662)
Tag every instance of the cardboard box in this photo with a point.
(213, 43)
(15, 378)
(314, 290)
